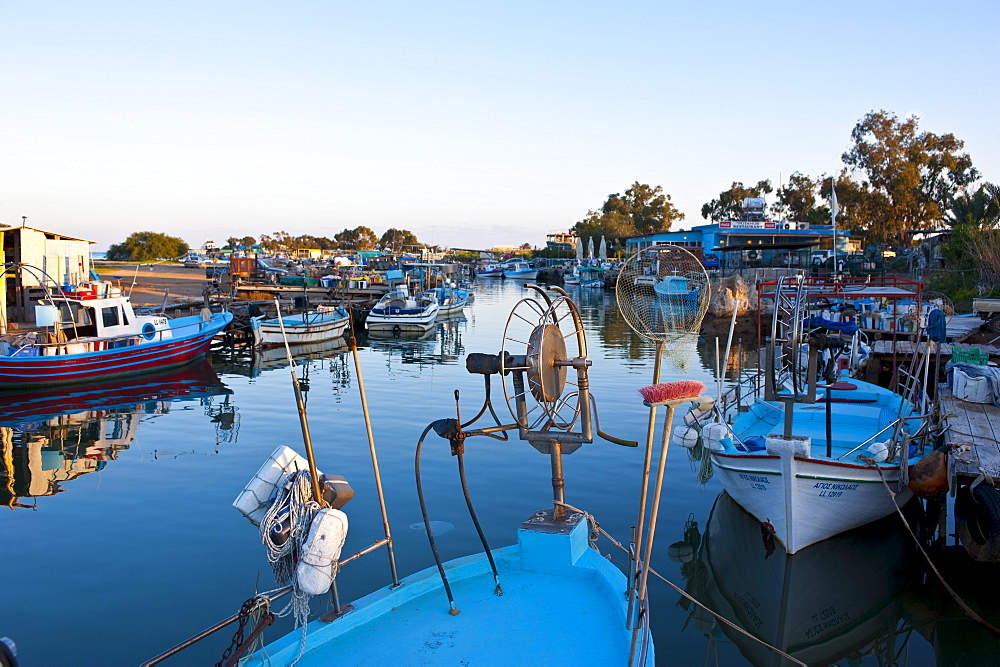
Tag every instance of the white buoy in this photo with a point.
(317, 567)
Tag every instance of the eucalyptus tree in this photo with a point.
(900, 178)
(397, 240)
(642, 209)
(729, 205)
(359, 238)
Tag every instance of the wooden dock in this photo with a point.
(975, 428)
(907, 347)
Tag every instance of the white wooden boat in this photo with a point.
(398, 312)
(314, 326)
(814, 452)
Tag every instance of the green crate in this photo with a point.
(969, 355)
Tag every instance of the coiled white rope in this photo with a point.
(295, 500)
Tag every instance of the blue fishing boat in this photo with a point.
(519, 269)
(585, 276)
(91, 331)
(678, 288)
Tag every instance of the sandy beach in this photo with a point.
(147, 283)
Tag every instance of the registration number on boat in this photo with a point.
(830, 490)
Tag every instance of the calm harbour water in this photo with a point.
(123, 540)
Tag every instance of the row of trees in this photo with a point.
(895, 178)
(148, 246)
(359, 238)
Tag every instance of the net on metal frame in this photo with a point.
(663, 293)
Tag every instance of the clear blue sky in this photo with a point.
(470, 124)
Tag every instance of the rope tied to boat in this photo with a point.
(718, 617)
(283, 530)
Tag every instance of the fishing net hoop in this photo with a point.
(663, 292)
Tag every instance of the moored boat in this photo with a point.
(489, 271)
(92, 331)
(450, 300)
(449, 614)
(520, 270)
(399, 312)
(677, 288)
(551, 571)
(314, 326)
(812, 452)
(585, 276)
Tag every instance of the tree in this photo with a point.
(641, 210)
(397, 240)
(359, 238)
(146, 246)
(980, 209)
(248, 242)
(729, 205)
(906, 177)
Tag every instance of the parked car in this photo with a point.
(710, 261)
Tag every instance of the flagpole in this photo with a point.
(833, 221)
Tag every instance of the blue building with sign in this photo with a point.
(754, 243)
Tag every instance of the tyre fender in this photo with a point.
(977, 522)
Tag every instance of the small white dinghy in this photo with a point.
(314, 326)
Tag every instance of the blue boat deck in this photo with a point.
(562, 604)
(855, 416)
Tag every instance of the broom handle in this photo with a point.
(641, 591)
(643, 492)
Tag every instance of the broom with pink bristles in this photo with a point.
(663, 393)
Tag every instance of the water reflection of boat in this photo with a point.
(40, 404)
(830, 600)
(48, 437)
(277, 357)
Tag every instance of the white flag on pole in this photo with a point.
(834, 208)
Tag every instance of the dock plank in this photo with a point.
(976, 425)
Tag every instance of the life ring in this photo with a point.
(148, 331)
(977, 522)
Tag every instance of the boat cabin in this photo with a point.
(98, 310)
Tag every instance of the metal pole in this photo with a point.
(303, 422)
(371, 447)
(558, 482)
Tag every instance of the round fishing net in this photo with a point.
(663, 293)
(938, 300)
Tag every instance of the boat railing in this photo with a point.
(893, 425)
